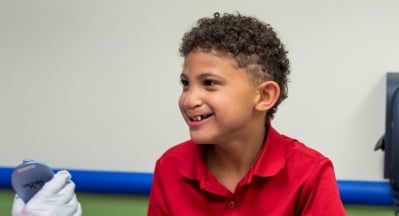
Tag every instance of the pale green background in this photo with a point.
(124, 205)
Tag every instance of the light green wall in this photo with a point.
(127, 205)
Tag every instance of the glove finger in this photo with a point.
(56, 183)
(52, 208)
(70, 208)
(74, 204)
(63, 197)
(67, 193)
(17, 205)
(78, 211)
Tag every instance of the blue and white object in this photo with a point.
(29, 177)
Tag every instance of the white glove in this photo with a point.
(56, 198)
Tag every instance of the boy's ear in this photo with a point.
(267, 95)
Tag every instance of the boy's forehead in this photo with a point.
(208, 57)
(204, 64)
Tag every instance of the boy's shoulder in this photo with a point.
(298, 154)
(182, 159)
(296, 146)
(293, 146)
(185, 148)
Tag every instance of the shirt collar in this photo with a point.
(271, 160)
(195, 167)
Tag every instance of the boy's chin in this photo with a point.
(200, 139)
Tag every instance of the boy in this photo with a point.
(234, 77)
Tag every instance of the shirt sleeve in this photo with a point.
(157, 202)
(321, 194)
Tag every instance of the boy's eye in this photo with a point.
(209, 82)
(184, 82)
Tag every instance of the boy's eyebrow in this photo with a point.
(202, 75)
(208, 74)
(182, 75)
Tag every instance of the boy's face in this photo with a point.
(218, 99)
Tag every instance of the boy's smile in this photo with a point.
(217, 101)
(197, 120)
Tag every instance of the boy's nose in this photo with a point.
(192, 99)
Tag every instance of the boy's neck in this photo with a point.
(229, 163)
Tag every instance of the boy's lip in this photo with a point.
(196, 120)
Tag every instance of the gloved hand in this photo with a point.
(56, 198)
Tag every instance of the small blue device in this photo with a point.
(29, 177)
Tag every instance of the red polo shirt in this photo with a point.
(287, 179)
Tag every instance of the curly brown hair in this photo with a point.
(253, 44)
